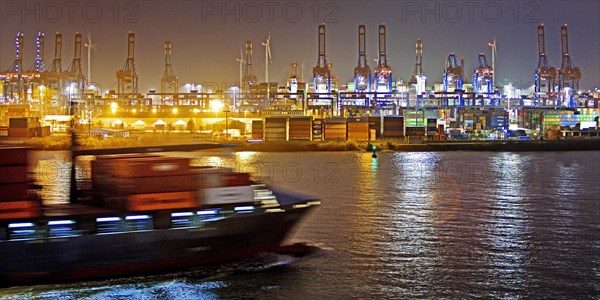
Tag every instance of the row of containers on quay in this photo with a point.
(556, 124)
(24, 128)
(430, 125)
(412, 125)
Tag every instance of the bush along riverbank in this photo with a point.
(64, 143)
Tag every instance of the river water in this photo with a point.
(402, 226)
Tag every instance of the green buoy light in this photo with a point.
(374, 149)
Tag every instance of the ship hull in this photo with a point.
(100, 256)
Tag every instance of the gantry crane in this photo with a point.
(362, 71)
(454, 76)
(33, 76)
(13, 80)
(383, 72)
(127, 79)
(169, 80)
(38, 64)
(75, 75)
(249, 78)
(544, 75)
(418, 69)
(418, 78)
(482, 76)
(52, 77)
(568, 74)
(295, 82)
(322, 77)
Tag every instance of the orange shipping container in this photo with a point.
(143, 167)
(18, 133)
(162, 201)
(108, 185)
(14, 156)
(19, 210)
(13, 191)
(13, 174)
(218, 177)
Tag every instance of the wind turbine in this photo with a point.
(267, 45)
(494, 53)
(89, 47)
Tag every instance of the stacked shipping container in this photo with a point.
(335, 128)
(15, 202)
(358, 129)
(300, 128)
(276, 129)
(393, 127)
(143, 183)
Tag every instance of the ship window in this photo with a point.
(138, 222)
(208, 215)
(108, 224)
(243, 209)
(61, 228)
(182, 219)
(21, 231)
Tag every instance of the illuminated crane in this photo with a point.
(454, 76)
(383, 72)
(169, 80)
(127, 79)
(74, 76)
(38, 65)
(13, 77)
(482, 77)
(362, 71)
(295, 82)
(249, 79)
(75, 73)
(568, 74)
(52, 77)
(322, 77)
(544, 75)
(31, 78)
(418, 78)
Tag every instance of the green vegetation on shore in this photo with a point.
(64, 143)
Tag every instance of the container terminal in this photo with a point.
(44, 99)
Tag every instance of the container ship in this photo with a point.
(146, 214)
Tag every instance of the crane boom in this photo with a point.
(541, 40)
(322, 60)
(382, 62)
(564, 40)
(362, 47)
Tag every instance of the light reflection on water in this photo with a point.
(409, 225)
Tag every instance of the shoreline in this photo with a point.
(63, 143)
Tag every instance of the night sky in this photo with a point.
(207, 38)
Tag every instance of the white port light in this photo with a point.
(207, 212)
(20, 225)
(108, 219)
(137, 217)
(60, 222)
(182, 214)
(244, 208)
